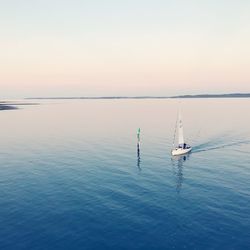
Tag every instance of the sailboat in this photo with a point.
(182, 148)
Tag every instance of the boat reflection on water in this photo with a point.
(177, 164)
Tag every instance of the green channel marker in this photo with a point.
(138, 134)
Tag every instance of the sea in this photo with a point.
(71, 176)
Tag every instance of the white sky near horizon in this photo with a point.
(123, 48)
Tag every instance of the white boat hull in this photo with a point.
(181, 151)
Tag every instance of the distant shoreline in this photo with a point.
(234, 95)
(13, 106)
(7, 107)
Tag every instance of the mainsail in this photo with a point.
(180, 130)
(182, 148)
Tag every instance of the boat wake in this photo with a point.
(218, 143)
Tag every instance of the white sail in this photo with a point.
(182, 147)
(180, 130)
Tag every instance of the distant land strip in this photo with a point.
(6, 107)
(13, 106)
(233, 95)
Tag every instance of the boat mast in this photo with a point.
(175, 131)
(180, 130)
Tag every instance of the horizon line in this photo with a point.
(228, 95)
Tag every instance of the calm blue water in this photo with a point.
(70, 177)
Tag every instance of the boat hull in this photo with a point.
(181, 151)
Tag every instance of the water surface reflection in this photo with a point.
(177, 165)
(138, 157)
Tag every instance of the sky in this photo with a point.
(123, 47)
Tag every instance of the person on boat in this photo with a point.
(184, 145)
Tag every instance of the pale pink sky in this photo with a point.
(91, 49)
